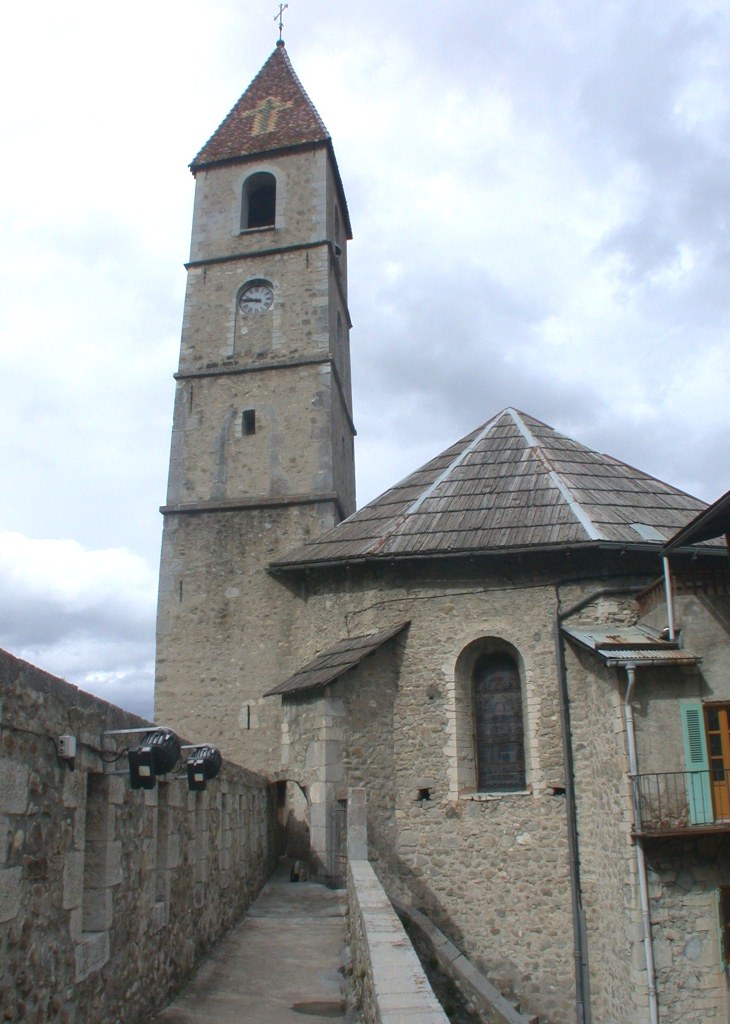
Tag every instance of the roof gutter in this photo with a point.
(279, 568)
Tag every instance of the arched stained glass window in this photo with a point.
(500, 743)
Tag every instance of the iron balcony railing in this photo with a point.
(675, 803)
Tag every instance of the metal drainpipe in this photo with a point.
(669, 597)
(582, 992)
(640, 862)
(580, 940)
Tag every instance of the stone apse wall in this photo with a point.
(109, 896)
(490, 871)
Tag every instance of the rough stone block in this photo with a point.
(174, 795)
(74, 784)
(97, 910)
(315, 754)
(73, 880)
(117, 789)
(160, 915)
(99, 822)
(335, 772)
(92, 952)
(15, 787)
(6, 834)
(317, 815)
(75, 924)
(103, 865)
(11, 892)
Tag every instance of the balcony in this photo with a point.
(681, 803)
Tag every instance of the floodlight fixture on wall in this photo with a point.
(157, 754)
(204, 762)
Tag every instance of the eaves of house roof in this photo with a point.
(514, 484)
(711, 523)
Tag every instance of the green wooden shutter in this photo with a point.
(696, 762)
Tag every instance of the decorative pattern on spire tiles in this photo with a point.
(273, 113)
(512, 484)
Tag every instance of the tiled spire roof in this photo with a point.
(513, 483)
(273, 113)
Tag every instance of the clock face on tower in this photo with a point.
(256, 297)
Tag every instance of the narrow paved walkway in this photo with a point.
(280, 965)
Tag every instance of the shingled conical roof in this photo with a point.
(512, 484)
(273, 113)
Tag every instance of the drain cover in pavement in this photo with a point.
(320, 1009)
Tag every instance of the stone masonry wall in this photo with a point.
(252, 491)
(216, 597)
(684, 879)
(704, 622)
(607, 861)
(109, 896)
(490, 870)
(343, 736)
(684, 876)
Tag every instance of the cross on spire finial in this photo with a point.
(280, 18)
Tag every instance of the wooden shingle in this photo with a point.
(512, 483)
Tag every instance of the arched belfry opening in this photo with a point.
(258, 202)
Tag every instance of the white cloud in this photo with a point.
(87, 616)
(539, 194)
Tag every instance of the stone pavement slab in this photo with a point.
(280, 965)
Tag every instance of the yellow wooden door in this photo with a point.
(717, 721)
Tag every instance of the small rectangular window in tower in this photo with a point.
(248, 422)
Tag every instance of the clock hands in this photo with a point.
(256, 297)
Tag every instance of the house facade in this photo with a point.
(483, 648)
(650, 729)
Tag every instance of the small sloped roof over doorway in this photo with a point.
(335, 661)
(514, 483)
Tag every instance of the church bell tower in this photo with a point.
(262, 440)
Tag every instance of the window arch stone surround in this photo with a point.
(461, 745)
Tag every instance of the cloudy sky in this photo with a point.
(540, 196)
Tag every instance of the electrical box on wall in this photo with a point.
(67, 750)
(66, 747)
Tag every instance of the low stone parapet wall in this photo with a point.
(389, 984)
(480, 994)
(110, 896)
(388, 980)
